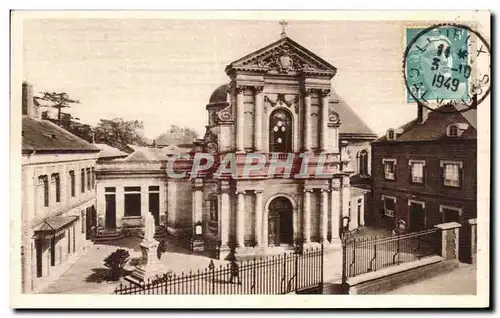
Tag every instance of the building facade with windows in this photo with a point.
(58, 196)
(278, 104)
(424, 173)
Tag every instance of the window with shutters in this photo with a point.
(363, 163)
(389, 169)
(82, 180)
(452, 171)
(417, 171)
(43, 182)
(389, 206)
(56, 183)
(72, 182)
(89, 179)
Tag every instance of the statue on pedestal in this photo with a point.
(150, 265)
(149, 227)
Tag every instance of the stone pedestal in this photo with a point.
(150, 264)
(197, 244)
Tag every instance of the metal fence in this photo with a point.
(280, 274)
(365, 255)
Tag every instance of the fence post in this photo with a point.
(283, 276)
(322, 268)
(253, 274)
(296, 272)
(211, 266)
(345, 288)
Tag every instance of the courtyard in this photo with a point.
(88, 274)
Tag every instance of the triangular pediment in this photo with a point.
(283, 56)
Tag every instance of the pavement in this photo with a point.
(461, 281)
(88, 274)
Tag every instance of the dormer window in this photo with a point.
(452, 131)
(390, 134)
(456, 130)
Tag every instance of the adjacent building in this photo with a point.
(424, 172)
(58, 196)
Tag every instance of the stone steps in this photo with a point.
(107, 236)
(160, 233)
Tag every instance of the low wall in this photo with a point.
(393, 277)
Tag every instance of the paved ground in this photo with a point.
(461, 281)
(87, 275)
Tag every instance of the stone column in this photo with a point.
(240, 118)
(346, 196)
(171, 204)
(324, 119)
(120, 205)
(144, 200)
(240, 218)
(258, 218)
(197, 201)
(324, 216)
(307, 120)
(335, 211)
(307, 215)
(224, 214)
(259, 104)
(449, 240)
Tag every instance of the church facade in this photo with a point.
(278, 107)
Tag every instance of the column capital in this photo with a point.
(324, 92)
(346, 181)
(240, 88)
(237, 192)
(324, 190)
(308, 190)
(335, 184)
(258, 89)
(308, 91)
(197, 184)
(258, 191)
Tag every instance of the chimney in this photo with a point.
(423, 113)
(28, 103)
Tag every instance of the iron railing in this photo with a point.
(363, 255)
(279, 274)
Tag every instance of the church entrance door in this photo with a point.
(280, 222)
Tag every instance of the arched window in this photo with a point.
(214, 208)
(453, 131)
(363, 162)
(390, 135)
(280, 131)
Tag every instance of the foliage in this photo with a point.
(177, 135)
(116, 261)
(57, 101)
(119, 133)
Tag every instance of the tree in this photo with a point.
(57, 101)
(118, 132)
(176, 135)
(116, 261)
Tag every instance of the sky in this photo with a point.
(163, 72)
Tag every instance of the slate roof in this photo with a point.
(147, 154)
(109, 152)
(43, 135)
(350, 122)
(434, 128)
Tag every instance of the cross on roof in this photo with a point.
(283, 24)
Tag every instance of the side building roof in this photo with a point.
(45, 136)
(434, 127)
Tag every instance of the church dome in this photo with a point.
(219, 95)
